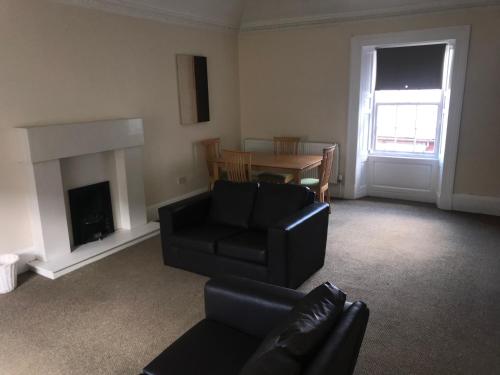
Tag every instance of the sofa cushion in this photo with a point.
(303, 330)
(232, 203)
(207, 348)
(249, 246)
(202, 237)
(277, 201)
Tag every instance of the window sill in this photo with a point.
(380, 155)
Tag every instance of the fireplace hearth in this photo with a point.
(91, 213)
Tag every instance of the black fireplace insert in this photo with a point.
(91, 213)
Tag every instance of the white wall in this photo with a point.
(296, 82)
(64, 64)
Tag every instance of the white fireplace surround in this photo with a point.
(68, 156)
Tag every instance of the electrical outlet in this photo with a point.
(182, 180)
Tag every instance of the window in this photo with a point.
(407, 100)
(406, 121)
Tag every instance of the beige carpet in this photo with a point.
(431, 279)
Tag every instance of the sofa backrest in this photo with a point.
(233, 202)
(256, 308)
(339, 353)
(277, 201)
(258, 205)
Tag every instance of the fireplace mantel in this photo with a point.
(47, 147)
(63, 141)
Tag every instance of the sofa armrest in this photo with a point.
(184, 213)
(249, 306)
(302, 216)
(340, 351)
(297, 244)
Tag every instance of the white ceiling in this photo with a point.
(257, 14)
(223, 12)
(218, 13)
(273, 13)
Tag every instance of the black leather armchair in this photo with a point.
(268, 232)
(239, 314)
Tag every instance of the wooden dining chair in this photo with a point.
(320, 185)
(286, 145)
(238, 165)
(282, 146)
(212, 152)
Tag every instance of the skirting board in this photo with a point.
(153, 209)
(476, 204)
(25, 256)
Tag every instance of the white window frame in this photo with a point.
(458, 36)
(417, 155)
(439, 126)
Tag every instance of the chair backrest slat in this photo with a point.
(212, 152)
(325, 170)
(286, 145)
(238, 165)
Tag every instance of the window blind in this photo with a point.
(410, 68)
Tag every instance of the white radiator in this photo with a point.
(266, 145)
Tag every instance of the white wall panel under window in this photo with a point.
(403, 178)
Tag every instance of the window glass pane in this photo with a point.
(427, 116)
(406, 128)
(386, 121)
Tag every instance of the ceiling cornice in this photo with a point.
(283, 23)
(136, 8)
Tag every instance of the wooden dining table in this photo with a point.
(294, 164)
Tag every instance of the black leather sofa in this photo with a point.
(239, 314)
(268, 232)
